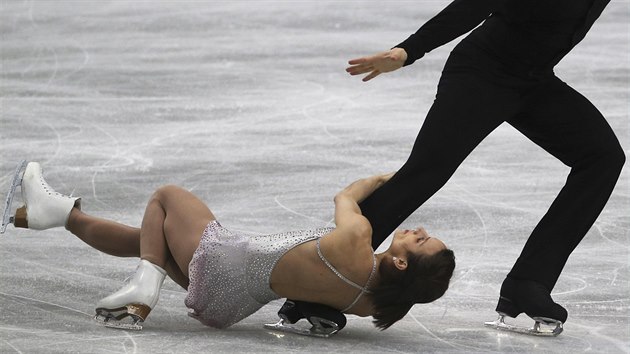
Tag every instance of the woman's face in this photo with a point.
(417, 241)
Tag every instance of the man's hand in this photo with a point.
(379, 63)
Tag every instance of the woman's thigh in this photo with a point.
(186, 219)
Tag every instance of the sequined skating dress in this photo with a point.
(230, 273)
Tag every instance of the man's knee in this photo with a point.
(608, 159)
(615, 158)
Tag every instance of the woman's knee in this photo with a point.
(166, 192)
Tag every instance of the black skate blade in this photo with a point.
(15, 182)
(126, 322)
(314, 331)
(537, 330)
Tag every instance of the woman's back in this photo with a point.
(301, 274)
(231, 272)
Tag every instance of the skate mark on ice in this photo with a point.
(319, 121)
(55, 69)
(484, 227)
(44, 302)
(132, 99)
(305, 112)
(52, 76)
(58, 138)
(594, 332)
(102, 166)
(620, 308)
(571, 291)
(616, 273)
(98, 338)
(277, 200)
(601, 233)
(57, 270)
(86, 60)
(485, 201)
(612, 225)
(133, 342)
(12, 346)
(450, 344)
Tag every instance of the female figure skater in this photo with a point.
(230, 276)
(503, 72)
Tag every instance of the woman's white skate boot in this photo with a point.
(44, 207)
(134, 301)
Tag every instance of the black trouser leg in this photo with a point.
(466, 109)
(568, 126)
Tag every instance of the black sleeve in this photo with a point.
(457, 18)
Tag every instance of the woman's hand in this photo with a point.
(362, 188)
(379, 63)
(385, 178)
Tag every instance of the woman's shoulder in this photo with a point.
(349, 246)
(356, 233)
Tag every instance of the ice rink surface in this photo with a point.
(247, 104)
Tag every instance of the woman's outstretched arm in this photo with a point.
(348, 217)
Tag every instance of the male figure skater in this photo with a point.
(503, 72)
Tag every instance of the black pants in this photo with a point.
(475, 95)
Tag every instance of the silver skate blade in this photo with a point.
(315, 331)
(536, 330)
(110, 321)
(15, 182)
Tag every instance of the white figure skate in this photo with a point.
(44, 208)
(15, 182)
(129, 307)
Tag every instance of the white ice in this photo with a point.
(247, 104)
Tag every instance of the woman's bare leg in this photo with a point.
(174, 223)
(117, 240)
(104, 235)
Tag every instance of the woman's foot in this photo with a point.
(44, 208)
(130, 306)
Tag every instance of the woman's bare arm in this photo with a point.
(347, 211)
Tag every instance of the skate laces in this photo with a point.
(51, 191)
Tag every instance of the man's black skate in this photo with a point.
(533, 298)
(325, 320)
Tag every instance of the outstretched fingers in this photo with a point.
(357, 61)
(372, 75)
(360, 66)
(377, 64)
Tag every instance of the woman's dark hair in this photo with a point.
(424, 280)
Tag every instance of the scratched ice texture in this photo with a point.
(247, 104)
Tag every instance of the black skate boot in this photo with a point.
(325, 320)
(290, 313)
(533, 298)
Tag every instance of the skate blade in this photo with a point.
(124, 321)
(15, 182)
(536, 330)
(314, 331)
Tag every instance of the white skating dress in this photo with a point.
(230, 273)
